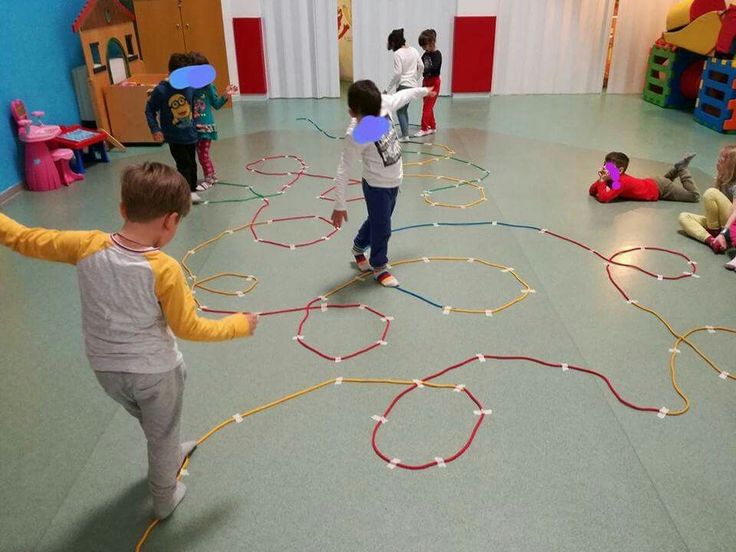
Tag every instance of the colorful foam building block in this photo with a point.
(716, 104)
(700, 36)
(673, 76)
(686, 11)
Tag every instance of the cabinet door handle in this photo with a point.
(178, 27)
(186, 26)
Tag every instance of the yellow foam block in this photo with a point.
(679, 15)
(700, 36)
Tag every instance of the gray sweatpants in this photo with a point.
(156, 401)
(670, 190)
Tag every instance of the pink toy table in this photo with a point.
(41, 173)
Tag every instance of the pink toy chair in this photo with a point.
(61, 157)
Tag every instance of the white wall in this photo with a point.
(302, 59)
(253, 8)
(373, 20)
(230, 10)
(538, 42)
(477, 7)
(551, 46)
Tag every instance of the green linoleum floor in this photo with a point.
(560, 465)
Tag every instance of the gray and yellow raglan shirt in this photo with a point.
(133, 301)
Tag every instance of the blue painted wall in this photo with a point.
(37, 52)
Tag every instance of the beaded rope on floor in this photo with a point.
(321, 304)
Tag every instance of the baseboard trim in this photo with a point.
(461, 95)
(10, 193)
(250, 98)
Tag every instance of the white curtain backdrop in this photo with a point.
(552, 46)
(373, 20)
(639, 25)
(301, 48)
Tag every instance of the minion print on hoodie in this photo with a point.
(170, 111)
(180, 110)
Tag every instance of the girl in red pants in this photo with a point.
(205, 99)
(432, 60)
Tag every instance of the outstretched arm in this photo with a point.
(215, 99)
(41, 243)
(180, 309)
(403, 97)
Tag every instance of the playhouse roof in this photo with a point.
(100, 13)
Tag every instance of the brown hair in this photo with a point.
(727, 174)
(621, 160)
(364, 98)
(151, 190)
(428, 36)
(177, 61)
(198, 58)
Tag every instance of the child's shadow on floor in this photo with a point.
(118, 524)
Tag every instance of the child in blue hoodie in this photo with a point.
(170, 118)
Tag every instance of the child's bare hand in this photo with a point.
(603, 174)
(252, 321)
(431, 92)
(338, 217)
(231, 89)
(158, 137)
(721, 240)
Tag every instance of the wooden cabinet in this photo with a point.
(204, 32)
(169, 26)
(159, 31)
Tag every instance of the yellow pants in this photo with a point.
(717, 210)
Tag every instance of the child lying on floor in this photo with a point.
(645, 189)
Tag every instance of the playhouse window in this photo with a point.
(117, 62)
(94, 48)
(132, 56)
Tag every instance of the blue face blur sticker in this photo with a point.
(194, 76)
(615, 175)
(371, 129)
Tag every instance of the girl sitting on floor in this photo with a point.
(717, 226)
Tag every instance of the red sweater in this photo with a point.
(641, 189)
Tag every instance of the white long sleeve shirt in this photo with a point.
(408, 68)
(382, 166)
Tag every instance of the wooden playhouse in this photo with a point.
(118, 82)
